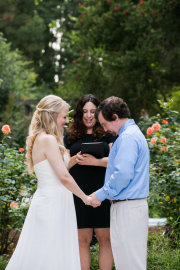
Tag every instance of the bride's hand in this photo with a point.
(87, 200)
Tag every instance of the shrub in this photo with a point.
(16, 186)
(164, 145)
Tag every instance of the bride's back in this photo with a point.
(38, 151)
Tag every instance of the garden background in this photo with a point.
(130, 49)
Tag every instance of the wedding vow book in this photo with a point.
(95, 149)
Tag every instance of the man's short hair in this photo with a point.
(113, 105)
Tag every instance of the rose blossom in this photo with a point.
(164, 148)
(13, 205)
(149, 131)
(154, 140)
(6, 129)
(164, 122)
(156, 126)
(163, 140)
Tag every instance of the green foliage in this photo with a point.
(3, 263)
(161, 254)
(15, 185)
(15, 78)
(32, 27)
(164, 145)
(125, 48)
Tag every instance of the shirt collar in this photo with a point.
(130, 122)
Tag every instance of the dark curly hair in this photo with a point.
(113, 105)
(77, 129)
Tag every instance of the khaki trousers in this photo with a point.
(129, 232)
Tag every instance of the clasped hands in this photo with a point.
(93, 200)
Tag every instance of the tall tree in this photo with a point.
(125, 48)
(32, 26)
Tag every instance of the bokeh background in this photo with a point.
(130, 49)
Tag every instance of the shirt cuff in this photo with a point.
(101, 194)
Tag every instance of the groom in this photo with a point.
(126, 186)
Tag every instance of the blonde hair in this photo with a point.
(45, 119)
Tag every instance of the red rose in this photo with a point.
(125, 12)
(143, 12)
(86, 12)
(139, 8)
(84, 3)
(79, 4)
(80, 53)
(74, 61)
(63, 71)
(80, 16)
(114, 52)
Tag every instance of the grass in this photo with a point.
(163, 254)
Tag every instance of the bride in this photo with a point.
(49, 239)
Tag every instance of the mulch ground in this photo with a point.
(152, 231)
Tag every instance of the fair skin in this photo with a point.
(113, 126)
(102, 234)
(46, 147)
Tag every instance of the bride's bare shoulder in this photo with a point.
(46, 139)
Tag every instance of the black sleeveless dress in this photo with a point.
(90, 179)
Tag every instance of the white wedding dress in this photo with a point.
(49, 238)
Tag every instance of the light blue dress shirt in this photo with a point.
(127, 173)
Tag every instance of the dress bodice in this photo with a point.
(45, 174)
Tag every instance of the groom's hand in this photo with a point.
(94, 200)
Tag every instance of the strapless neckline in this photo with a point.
(40, 162)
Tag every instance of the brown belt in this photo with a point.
(115, 201)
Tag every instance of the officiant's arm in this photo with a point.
(73, 161)
(90, 160)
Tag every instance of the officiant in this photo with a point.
(89, 172)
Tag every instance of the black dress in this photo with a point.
(90, 179)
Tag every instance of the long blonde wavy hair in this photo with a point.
(45, 119)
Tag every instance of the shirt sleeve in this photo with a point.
(123, 166)
(66, 144)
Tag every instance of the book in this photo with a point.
(95, 149)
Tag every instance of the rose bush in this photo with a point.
(16, 187)
(164, 145)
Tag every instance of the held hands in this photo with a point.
(86, 159)
(92, 200)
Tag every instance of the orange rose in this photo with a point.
(164, 148)
(149, 131)
(164, 122)
(21, 149)
(6, 129)
(13, 205)
(154, 140)
(156, 126)
(163, 140)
